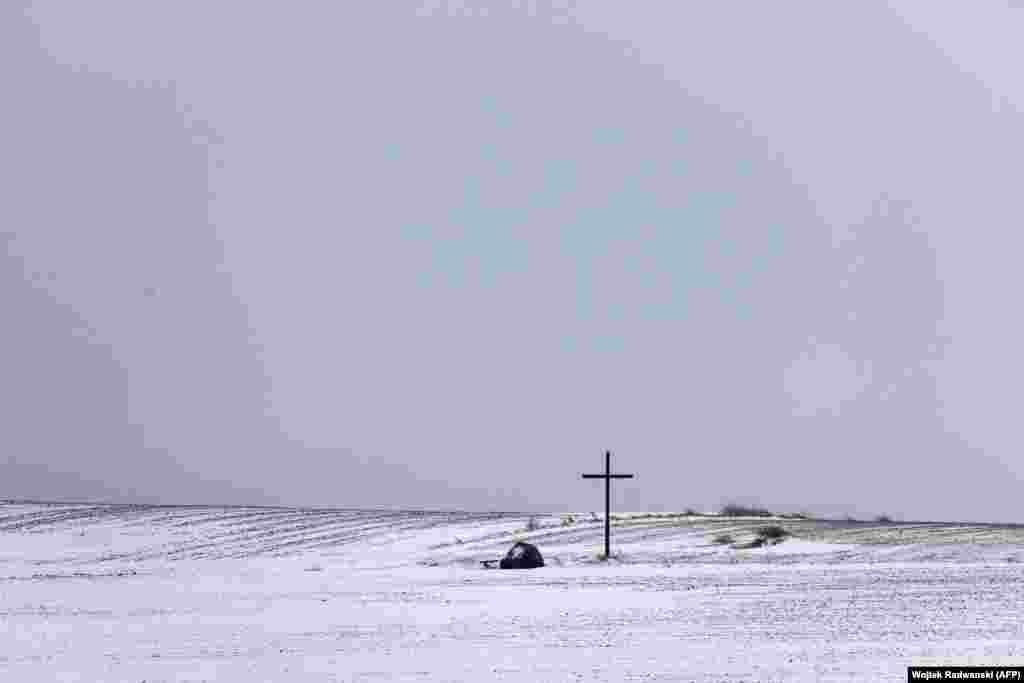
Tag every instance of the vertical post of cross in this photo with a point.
(607, 504)
(607, 476)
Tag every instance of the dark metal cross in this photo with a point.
(607, 476)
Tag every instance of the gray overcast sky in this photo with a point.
(415, 254)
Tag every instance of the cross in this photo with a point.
(607, 476)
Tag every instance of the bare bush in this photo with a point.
(737, 510)
(773, 532)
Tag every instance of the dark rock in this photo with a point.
(522, 556)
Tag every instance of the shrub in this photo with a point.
(772, 533)
(736, 510)
(796, 515)
(722, 539)
(568, 520)
(883, 519)
(690, 512)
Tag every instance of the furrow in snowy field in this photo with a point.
(226, 517)
(265, 535)
(210, 539)
(49, 517)
(357, 534)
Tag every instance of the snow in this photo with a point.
(164, 594)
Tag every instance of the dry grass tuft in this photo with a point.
(737, 510)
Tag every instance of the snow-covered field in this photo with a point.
(136, 593)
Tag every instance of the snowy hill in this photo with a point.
(131, 593)
(85, 533)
